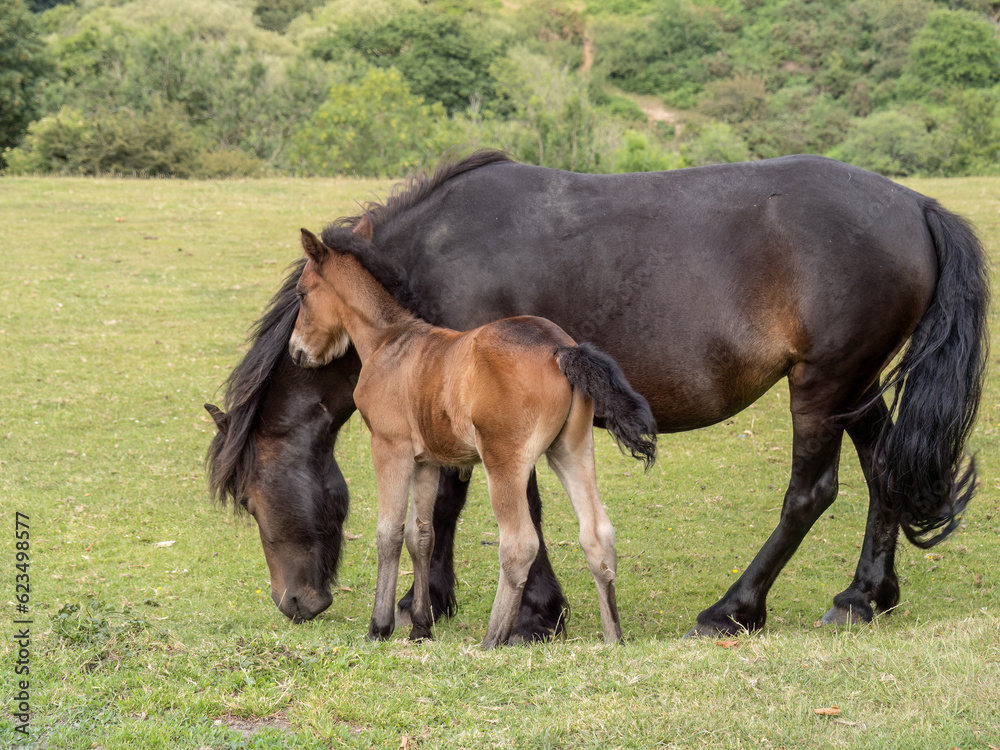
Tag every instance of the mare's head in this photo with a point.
(273, 457)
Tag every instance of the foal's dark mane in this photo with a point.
(232, 456)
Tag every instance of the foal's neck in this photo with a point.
(371, 315)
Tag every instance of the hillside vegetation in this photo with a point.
(301, 87)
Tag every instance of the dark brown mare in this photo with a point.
(504, 393)
(706, 285)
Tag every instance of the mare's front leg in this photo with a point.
(420, 542)
(875, 585)
(394, 471)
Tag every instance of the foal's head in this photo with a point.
(319, 334)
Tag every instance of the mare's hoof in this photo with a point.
(377, 633)
(491, 642)
(839, 616)
(703, 631)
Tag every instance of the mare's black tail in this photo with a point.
(626, 414)
(938, 384)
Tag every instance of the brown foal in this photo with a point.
(504, 394)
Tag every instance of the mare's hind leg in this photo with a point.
(419, 534)
(875, 579)
(518, 544)
(811, 489)
(572, 459)
(544, 609)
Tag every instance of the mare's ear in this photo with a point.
(220, 417)
(313, 246)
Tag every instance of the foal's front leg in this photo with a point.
(420, 543)
(394, 472)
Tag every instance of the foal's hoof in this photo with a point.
(839, 616)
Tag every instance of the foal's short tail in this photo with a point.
(938, 384)
(625, 413)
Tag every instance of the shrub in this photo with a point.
(158, 143)
(713, 143)
(227, 163)
(640, 155)
(374, 127)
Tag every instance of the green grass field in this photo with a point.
(123, 306)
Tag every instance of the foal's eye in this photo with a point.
(300, 296)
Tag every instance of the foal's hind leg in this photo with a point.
(875, 579)
(518, 544)
(572, 459)
(812, 488)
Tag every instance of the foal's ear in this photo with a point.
(220, 417)
(313, 246)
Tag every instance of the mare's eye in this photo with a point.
(300, 296)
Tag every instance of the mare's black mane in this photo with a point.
(416, 187)
(232, 456)
(388, 271)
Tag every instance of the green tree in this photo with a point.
(275, 15)
(373, 127)
(555, 124)
(24, 69)
(443, 58)
(663, 53)
(233, 96)
(893, 143)
(954, 49)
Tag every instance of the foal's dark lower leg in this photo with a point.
(811, 490)
(543, 605)
(875, 582)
